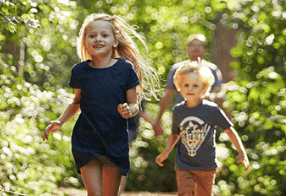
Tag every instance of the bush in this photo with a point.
(27, 164)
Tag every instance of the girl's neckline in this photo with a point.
(110, 66)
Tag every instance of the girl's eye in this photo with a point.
(105, 35)
(92, 36)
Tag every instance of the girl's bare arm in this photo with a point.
(131, 108)
(70, 111)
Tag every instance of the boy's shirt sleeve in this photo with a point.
(220, 119)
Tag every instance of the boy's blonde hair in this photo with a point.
(204, 74)
(126, 49)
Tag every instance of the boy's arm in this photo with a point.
(234, 138)
(171, 142)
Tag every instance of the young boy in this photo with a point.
(193, 130)
(196, 50)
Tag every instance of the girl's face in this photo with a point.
(191, 87)
(100, 38)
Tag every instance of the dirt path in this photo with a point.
(76, 192)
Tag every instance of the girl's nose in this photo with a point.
(98, 38)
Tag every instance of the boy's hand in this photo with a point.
(124, 110)
(161, 157)
(242, 158)
(53, 127)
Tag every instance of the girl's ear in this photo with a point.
(115, 44)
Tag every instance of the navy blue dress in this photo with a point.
(100, 130)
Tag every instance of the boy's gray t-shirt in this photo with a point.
(195, 149)
(214, 69)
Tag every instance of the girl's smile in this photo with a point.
(100, 39)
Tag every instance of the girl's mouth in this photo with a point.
(98, 46)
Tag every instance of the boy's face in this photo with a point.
(196, 49)
(191, 87)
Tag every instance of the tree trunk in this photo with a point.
(223, 41)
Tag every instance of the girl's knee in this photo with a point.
(94, 193)
(191, 193)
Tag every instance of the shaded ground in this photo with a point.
(76, 192)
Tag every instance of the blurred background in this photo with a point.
(246, 40)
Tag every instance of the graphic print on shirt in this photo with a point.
(193, 133)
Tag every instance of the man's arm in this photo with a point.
(164, 104)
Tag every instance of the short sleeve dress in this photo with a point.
(134, 122)
(100, 130)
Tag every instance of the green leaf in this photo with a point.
(26, 16)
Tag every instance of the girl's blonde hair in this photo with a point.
(126, 49)
(204, 74)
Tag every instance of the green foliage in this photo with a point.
(39, 38)
(14, 14)
(145, 174)
(258, 97)
(28, 165)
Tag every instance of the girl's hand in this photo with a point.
(124, 110)
(158, 129)
(53, 127)
(161, 157)
(242, 158)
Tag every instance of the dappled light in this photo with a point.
(38, 43)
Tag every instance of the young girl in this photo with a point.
(193, 130)
(107, 91)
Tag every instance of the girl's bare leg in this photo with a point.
(92, 177)
(111, 176)
(188, 194)
(122, 185)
